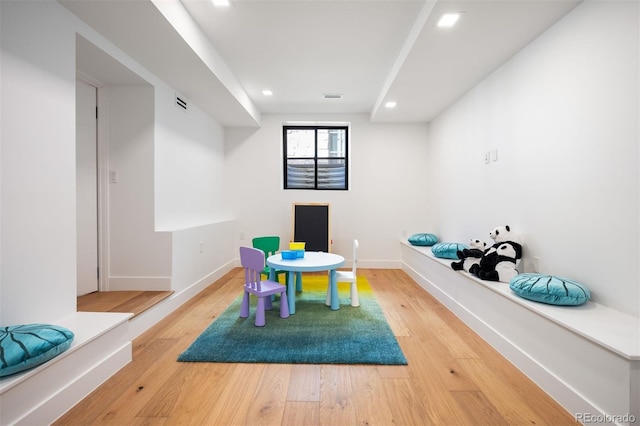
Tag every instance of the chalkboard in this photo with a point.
(311, 224)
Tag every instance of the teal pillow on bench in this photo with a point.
(549, 289)
(26, 346)
(448, 250)
(423, 239)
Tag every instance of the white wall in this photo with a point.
(139, 257)
(201, 254)
(38, 258)
(563, 115)
(387, 192)
(189, 166)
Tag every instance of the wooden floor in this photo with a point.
(453, 376)
(135, 302)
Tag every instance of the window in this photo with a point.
(315, 157)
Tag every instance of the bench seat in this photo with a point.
(586, 357)
(101, 346)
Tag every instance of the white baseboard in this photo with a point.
(139, 284)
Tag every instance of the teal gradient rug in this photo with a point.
(314, 335)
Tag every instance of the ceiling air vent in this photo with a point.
(332, 95)
(181, 102)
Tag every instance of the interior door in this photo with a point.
(86, 188)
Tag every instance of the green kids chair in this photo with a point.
(270, 246)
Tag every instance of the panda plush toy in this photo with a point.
(469, 257)
(504, 233)
(499, 262)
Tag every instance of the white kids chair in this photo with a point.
(348, 277)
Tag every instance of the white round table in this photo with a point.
(313, 261)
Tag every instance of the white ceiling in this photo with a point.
(370, 51)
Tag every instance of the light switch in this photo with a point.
(113, 176)
(494, 154)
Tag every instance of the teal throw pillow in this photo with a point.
(549, 289)
(423, 239)
(26, 346)
(448, 250)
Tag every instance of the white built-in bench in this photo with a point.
(586, 357)
(101, 346)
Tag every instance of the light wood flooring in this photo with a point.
(135, 302)
(453, 376)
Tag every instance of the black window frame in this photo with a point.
(316, 158)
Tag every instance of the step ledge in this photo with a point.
(612, 329)
(86, 327)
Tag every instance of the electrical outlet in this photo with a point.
(487, 157)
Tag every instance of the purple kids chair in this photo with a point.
(253, 262)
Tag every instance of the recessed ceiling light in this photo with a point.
(267, 92)
(221, 3)
(448, 20)
(332, 95)
(390, 104)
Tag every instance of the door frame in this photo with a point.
(102, 187)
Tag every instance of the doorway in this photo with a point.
(98, 74)
(86, 188)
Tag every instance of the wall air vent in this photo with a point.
(181, 102)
